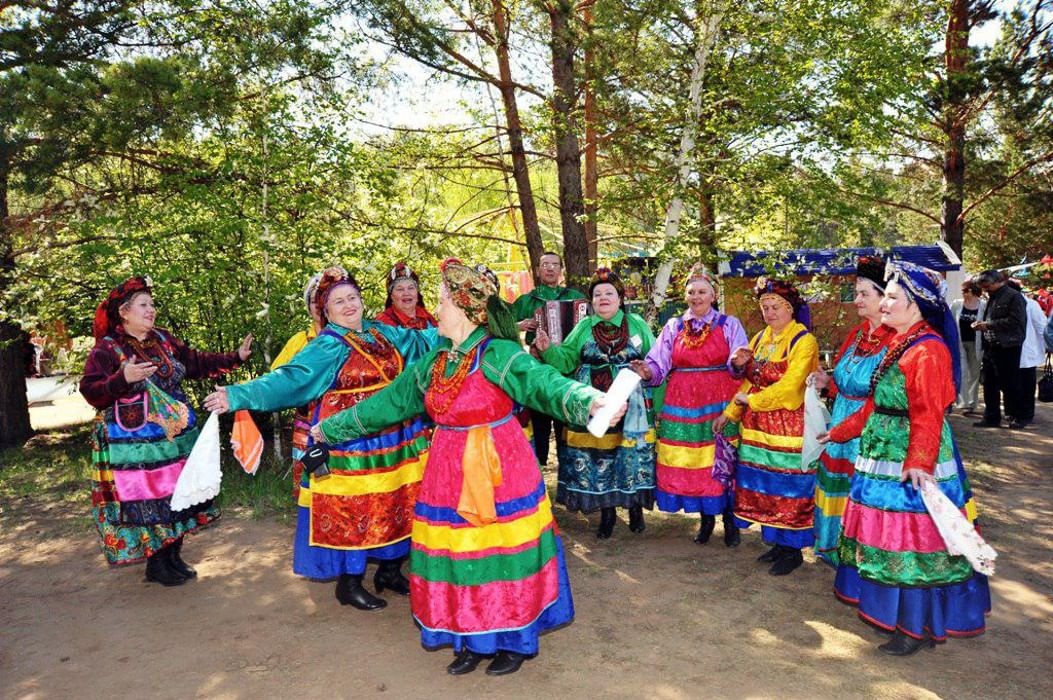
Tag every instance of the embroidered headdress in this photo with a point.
(475, 290)
(107, 314)
(332, 277)
(605, 275)
(310, 291)
(928, 290)
(400, 272)
(786, 291)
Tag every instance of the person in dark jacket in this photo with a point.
(1004, 325)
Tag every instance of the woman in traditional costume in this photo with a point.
(363, 509)
(894, 565)
(144, 431)
(616, 470)
(487, 570)
(694, 353)
(772, 487)
(855, 362)
(404, 307)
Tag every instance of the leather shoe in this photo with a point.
(636, 522)
(732, 537)
(790, 560)
(771, 555)
(1017, 425)
(607, 518)
(504, 663)
(465, 662)
(349, 591)
(389, 575)
(158, 570)
(176, 562)
(705, 528)
(903, 645)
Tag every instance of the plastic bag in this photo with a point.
(816, 420)
(957, 532)
(199, 480)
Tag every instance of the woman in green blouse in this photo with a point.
(617, 469)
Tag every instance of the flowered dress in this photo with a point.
(364, 508)
(694, 354)
(487, 569)
(894, 564)
(140, 441)
(850, 384)
(772, 488)
(617, 469)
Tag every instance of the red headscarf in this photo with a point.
(107, 314)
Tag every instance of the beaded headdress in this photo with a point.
(399, 272)
(605, 275)
(787, 292)
(310, 291)
(872, 269)
(332, 277)
(107, 314)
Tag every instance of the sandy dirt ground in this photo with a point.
(657, 615)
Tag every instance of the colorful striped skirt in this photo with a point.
(832, 483)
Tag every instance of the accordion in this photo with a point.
(558, 318)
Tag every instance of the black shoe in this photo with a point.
(771, 555)
(349, 591)
(465, 662)
(732, 537)
(636, 524)
(902, 645)
(705, 528)
(1017, 425)
(985, 424)
(158, 570)
(790, 560)
(504, 663)
(389, 575)
(176, 562)
(607, 519)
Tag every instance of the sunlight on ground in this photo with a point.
(837, 643)
(67, 411)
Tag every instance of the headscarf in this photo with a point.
(107, 314)
(332, 277)
(474, 290)
(310, 291)
(788, 293)
(401, 271)
(872, 269)
(605, 275)
(928, 290)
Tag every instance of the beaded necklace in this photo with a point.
(894, 353)
(153, 352)
(693, 339)
(443, 390)
(611, 339)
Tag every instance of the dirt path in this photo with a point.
(657, 616)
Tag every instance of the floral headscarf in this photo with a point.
(475, 291)
(107, 314)
(928, 290)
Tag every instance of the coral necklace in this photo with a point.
(443, 390)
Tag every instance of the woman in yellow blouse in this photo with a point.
(772, 487)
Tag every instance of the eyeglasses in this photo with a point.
(555, 265)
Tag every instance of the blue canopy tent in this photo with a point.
(832, 261)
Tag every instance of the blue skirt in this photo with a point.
(326, 563)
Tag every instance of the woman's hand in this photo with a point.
(820, 380)
(316, 433)
(742, 399)
(542, 341)
(823, 437)
(642, 368)
(741, 357)
(599, 403)
(528, 325)
(246, 348)
(217, 401)
(718, 424)
(138, 371)
(917, 477)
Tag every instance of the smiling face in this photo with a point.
(868, 301)
(605, 300)
(898, 310)
(776, 311)
(138, 314)
(699, 296)
(404, 295)
(550, 268)
(344, 307)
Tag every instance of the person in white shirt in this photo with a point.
(1032, 354)
(968, 310)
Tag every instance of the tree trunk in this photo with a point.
(707, 232)
(592, 176)
(15, 428)
(568, 150)
(520, 169)
(956, 59)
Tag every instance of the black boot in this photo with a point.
(732, 537)
(790, 560)
(705, 528)
(607, 518)
(464, 662)
(160, 571)
(349, 591)
(504, 663)
(636, 523)
(176, 562)
(771, 555)
(903, 645)
(389, 575)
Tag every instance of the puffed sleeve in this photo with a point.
(103, 381)
(930, 390)
(200, 365)
(660, 357)
(788, 392)
(306, 377)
